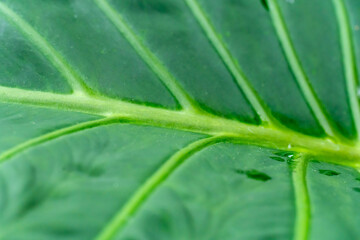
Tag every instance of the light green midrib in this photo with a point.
(64, 68)
(230, 62)
(55, 58)
(78, 85)
(148, 57)
(302, 201)
(300, 76)
(184, 120)
(141, 194)
(349, 61)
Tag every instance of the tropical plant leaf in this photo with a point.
(179, 119)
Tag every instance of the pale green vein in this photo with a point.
(55, 134)
(337, 152)
(149, 58)
(302, 220)
(140, 196)
(230, 62)
(349, 61)
(46, 49)
(297, 68)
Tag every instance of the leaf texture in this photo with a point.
(179, 119)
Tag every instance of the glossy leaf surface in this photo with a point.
(179, 119)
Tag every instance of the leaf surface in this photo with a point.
(181, 119)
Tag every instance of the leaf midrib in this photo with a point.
(282, 138)
(190, 119)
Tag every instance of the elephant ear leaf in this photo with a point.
(181, 119)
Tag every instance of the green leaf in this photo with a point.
(179, 119)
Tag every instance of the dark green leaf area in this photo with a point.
(328, 172)
(254, 174)
(80, 169)
(356, 189)
(264, 3)
(333, 196)
(279, 159)
(315, 161)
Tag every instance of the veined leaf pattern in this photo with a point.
(179, 119)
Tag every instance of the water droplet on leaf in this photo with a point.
(285, 154)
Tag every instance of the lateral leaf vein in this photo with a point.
(53, 135)
(148, 57)
(151, 184)
(230, 62)
(302, 220)
(55, 58)
(300, 75)
(349, 61)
